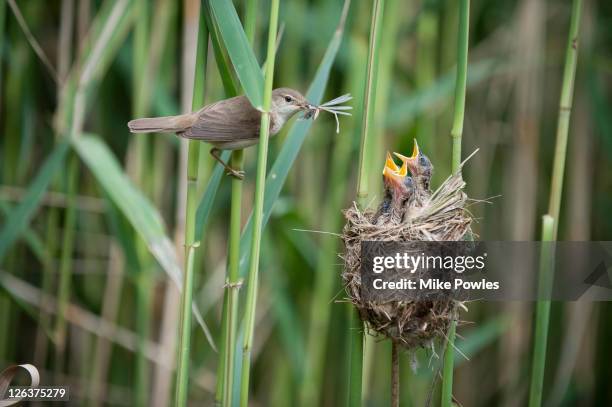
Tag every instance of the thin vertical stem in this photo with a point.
(65, 269)
(447, 375)
(368, 359)
(456, 134)
(460, 82)
(233, 282)
(369, 101)
(550, 222)
(182, 379)
(193, 158)
(137, 168)
(262, 156)
(542, 313)
(355, 357)
(64, 49)
(65, 276)
(98, 381)
(357, 372)
(225, 388)
(565, 108)
(395, 375)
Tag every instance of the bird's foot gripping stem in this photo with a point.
(230, 171)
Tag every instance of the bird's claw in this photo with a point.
(235, 173)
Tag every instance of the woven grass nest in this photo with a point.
(440, 217)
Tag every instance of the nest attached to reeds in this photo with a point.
(442, 217)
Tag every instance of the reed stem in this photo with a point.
(369, 102)
(262, 157)
(542, 313)
(461, 81)
(565, 108)
(138, 169)
(191, 204)
(447, 374)
(233, 283)
(355, 357)
(395, 375)
(550, 222)
(456, 134)
(65, 271)
(359, 371)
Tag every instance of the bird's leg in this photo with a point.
(230, 171)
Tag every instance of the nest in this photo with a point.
(442, 217)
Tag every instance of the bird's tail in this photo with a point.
(168, 124)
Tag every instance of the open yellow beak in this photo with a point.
(390, 164)
(392, 172)
(412, 160)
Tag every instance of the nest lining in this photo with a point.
(441, 217)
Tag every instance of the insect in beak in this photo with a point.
(333, 107)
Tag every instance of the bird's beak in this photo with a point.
(392, 173)
(411, 161)
(390, 164)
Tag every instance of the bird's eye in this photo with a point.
(288, 99)
(423, 161)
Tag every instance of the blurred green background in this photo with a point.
(83, 299)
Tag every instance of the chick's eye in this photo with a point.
(288, 99)
(423, 161)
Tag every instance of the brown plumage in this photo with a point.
(229, 124)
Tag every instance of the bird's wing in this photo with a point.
(227, 120)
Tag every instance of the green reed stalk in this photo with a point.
(456, 134)
(193, 158)
(550, 222)
(230, 311)
(67, 248)
(356, 332)
(233, 283)
(395, 376)
(461, 81)
(65, 270)
(565, 108)
(262, 156)
(369, 103)
(447, 375)
(231, 86)
(138, 169)
(542, 312)
(359, 371)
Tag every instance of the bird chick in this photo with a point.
(399, 189)
(421, 169)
